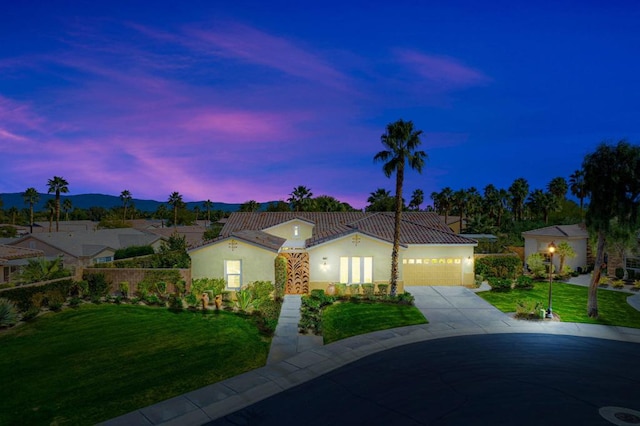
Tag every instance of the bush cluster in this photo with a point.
(498, 266)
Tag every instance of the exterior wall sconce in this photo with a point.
(323, 265)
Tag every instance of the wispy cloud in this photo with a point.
(445, 72)
(260, 48)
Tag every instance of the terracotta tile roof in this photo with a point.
(14, 252)
(560, 231)
(416, 227)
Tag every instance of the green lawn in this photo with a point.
(343, 320)
(570, 303)
(85, 365)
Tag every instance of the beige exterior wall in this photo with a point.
(286, 230)
(257, 263)
(541, 245)
(463, 272)
(333, 250)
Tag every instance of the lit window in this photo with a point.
(419, 261)
(356, 270)
(412, 261)
(233, 273)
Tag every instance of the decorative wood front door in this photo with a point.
(297, 273)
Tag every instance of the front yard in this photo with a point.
(93, 363)
(570, 303)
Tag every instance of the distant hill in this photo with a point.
(84, 201)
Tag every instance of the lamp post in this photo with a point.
(552, 249)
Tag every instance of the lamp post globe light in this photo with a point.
(552, 249)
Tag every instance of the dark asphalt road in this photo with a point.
(497, 379)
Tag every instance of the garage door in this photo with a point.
(432, 271)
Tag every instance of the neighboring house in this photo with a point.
(192, 234)
(12, 259)
(577, 236)
(337, 247)
(65, 226)
(85, 248)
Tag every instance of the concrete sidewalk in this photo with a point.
(451, 311)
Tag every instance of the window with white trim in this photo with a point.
(233, 273)
(356, 269)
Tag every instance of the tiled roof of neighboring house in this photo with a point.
(90, 243)
(416, 227)
(560, 231)
(12, 252)
(193, 234)
(65, 226)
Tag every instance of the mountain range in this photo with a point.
(85, 201)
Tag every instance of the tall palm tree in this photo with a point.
(300, 198)
(50, 206)
(250, 206)
(417, 198)
(459, 200)
(558, 187)
(577, 186)
(519, 190)
(31, 197)
(207, 205)
(59, 186)
(443, 202)
(401, 141)
(175, 201)
(67, 205)
(125, 197)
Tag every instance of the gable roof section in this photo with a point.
(559, 231)
(90, 243)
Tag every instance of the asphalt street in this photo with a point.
(493, 379)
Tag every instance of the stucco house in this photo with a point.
(334, 247)
(12, 259)
(85, 248)
(577, 236)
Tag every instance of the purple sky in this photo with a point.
(246, 101)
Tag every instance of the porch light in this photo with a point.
(552, 248)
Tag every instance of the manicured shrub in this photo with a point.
(161, 288)
(8, 313)
(498, 266)
(21, 296)
(354, 289)
(528, 309)
(133, 251)
(180, 286)
(280, 276)
(383, 289)
(191, 300)
(124, 288)
(617, 283)
(260, 292)
(175, 302)
(368, 290)
(619, 273)
(405, 298)
(499, 284)
(98, 285)
(317, 293)
(55, 299)
(341, 289)
(524, 282)
(269, 314)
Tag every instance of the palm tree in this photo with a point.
(207, 205)
(518, 190)
(300, 198)
(417, 198)
(459, 200)
(175, 201)
(50, 206)
(542, 203)
(250, 206)
(577, 186)
(443, 202)
(13, 212)
(66, 208)
(380, 201)
(401, 141)
(125, 197)
(558, 187)
(31, 197)
(59, 186)
(327, 203)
